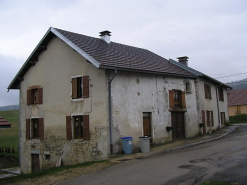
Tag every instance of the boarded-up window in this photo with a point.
(207, 91)
(80, 87)
(35, 95)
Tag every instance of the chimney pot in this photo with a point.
(183, 60)
(105, 35)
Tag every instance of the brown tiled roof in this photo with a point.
(3, 121)
(122, 56)
(238, 97)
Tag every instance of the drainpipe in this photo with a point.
(217, 92)
(110, 112)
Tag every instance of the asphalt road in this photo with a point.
(223, 160)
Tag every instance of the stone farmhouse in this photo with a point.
(79, 95)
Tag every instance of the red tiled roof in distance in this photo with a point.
(3, 121)
(237, 97)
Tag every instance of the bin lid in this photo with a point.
(126, 137)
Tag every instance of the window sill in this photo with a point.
(178, 109)
(79, 99)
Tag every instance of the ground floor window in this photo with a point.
(78, 126)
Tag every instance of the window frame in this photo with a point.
(33, 99)
(207, 91)
(83, 90)
(81, 131)
(221, 94)
(177, 98)
(32, 128)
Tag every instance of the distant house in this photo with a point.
(4, 124)
(237, 102)
(79, 95)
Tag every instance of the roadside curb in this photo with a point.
(189, 145)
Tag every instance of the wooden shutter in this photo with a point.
(27, 129)
(74, 88)
(183, 100)
(205, 91)
(171, 98)
(68, 128)
(40, 93)
(212, 118)
(28, 97)
(85, 87)
(41, 128)
(203, 116)
(86, 131)
(208, 118)
(209, 91)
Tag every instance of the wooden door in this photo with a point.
(177, 125)
(146, 126)
(35, 163)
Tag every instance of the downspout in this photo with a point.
(110, 112)
(19, 147)
(217, 92)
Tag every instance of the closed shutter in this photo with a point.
(205, 91)
(85, 87)
(212, 118)
(40, 93)
(68, 128)
(74, 88)
(28, 97)
(41, 128)
(183, 99)
(203, 116)
(208, 118)
(27, 129)
(171, 98)
(209, 91)
(86, 131)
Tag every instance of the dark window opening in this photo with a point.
(35, 128)
(34, 95)
(47, 157)
(79, 87)
(78, 126)
(177, 98)
(221, 94)
(187, 86)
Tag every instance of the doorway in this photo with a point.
(147, 124)
(177, 125)
(35, 163)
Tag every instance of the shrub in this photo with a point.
(240, 118)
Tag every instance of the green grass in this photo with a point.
(218, 183)
(46, 172)
(10, 137)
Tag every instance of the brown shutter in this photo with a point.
(41, 128)
(183, 99)
(86, 131)
(85, 87)
(28, 97)
(40, 93)
(222, 95)
(208, 118)
(212, 118)
(171, 98)
(27, 129)
(203, 116)
(74, 88)
(68, 128)
(205, 90)
(219, 94)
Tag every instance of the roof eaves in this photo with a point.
(76, 48)
(25, 64)
(144, 71)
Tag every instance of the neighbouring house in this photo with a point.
(211, 95)
(79, 95)
(4, 124)
(237, 102)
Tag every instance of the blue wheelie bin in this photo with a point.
(127, 144)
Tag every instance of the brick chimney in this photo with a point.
(105, 35)
(183, 60)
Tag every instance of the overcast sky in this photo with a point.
(212, 33)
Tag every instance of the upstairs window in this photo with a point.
(221, 94)
(177, 99)
(80, 87)
(34, 95)
(238, 111)
(207, 90)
